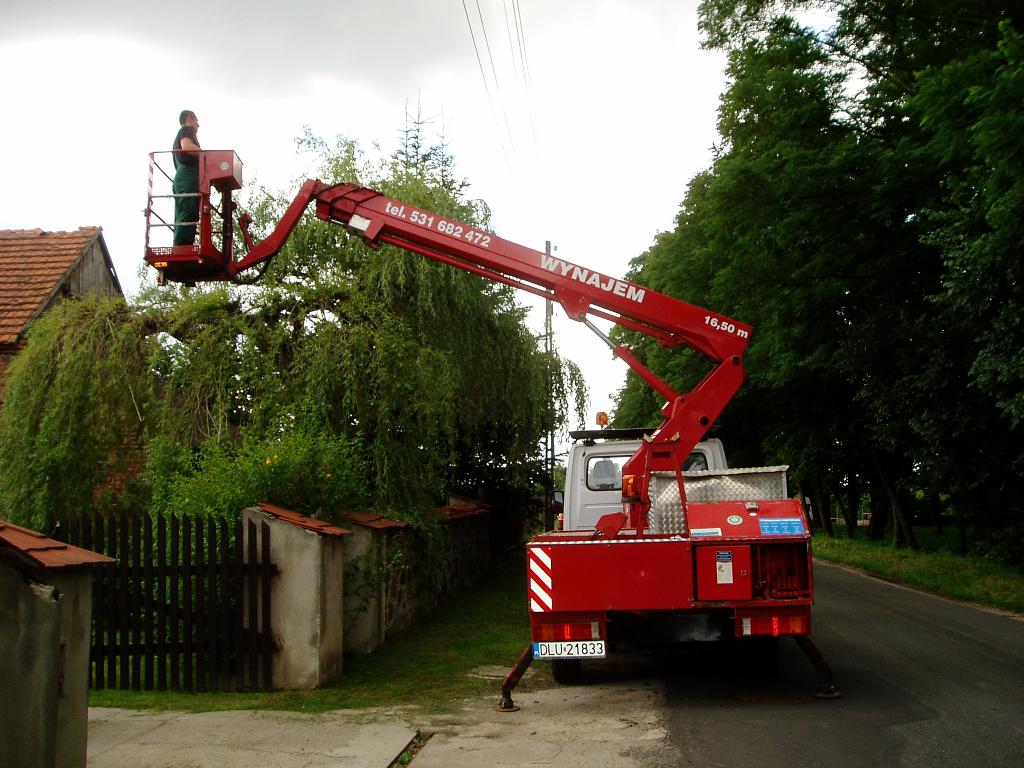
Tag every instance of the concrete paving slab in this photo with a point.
(616, 721)
(617, 725)
(132, 739)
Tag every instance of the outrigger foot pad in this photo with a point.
(505, 703)
(828, 689)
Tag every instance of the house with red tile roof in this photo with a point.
(39, 270)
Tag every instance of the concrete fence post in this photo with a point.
(45, 627)
(306, 595)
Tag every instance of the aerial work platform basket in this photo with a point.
(220, 171)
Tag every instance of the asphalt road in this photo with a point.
(926, 682)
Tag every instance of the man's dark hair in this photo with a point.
(185, 115)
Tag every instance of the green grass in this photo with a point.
(935, 568)
(429, 666)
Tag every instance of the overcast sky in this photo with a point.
(590, 145)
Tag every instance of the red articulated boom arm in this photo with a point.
(582, 292)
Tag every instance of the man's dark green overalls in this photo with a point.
(186, 209)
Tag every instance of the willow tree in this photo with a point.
(343, 377)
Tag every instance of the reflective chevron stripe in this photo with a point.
(541, 582)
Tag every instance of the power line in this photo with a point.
(517, 12)
(511, 46)
(483, 76)
(497, 85)
(521, 37)
(487, 44)
(513, 16)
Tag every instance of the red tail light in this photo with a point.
(773, 624)
(568, 630)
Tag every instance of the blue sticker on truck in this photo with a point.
(705, 532)
(781, 526)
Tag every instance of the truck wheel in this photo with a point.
(566, 671)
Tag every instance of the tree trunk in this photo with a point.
(902, 529)
(897, 530)
(845, 515)
(963, 519)
(848, 508)
(879, 513)
(820, 503)
(806, 504)
(901, 511)
(935, 511)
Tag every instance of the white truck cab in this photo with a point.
(593, 477)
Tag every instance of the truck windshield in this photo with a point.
(695, 462)
(604, 473)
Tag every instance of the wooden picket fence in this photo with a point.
(185, 607)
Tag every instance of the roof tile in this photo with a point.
(303, 521)
(32, 263)
(373, 520)
(44, 551)
(459, 509)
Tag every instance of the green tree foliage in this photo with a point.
(92, 375)
(862, 213)
(344, 377)
(971, 110)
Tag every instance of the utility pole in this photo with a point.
(549, 441)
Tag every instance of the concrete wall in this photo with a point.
(44, 662)
(394, 577)
(419, 587)
(335, 594)
(366, 551)
(306, 600)
(75, 588)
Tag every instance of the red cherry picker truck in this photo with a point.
(705, 557)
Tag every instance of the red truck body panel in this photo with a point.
(576, 572)
(746, 562)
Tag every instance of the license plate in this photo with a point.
(570, 649)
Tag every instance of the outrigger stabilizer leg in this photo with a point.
(505, 703)
(828, 689)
